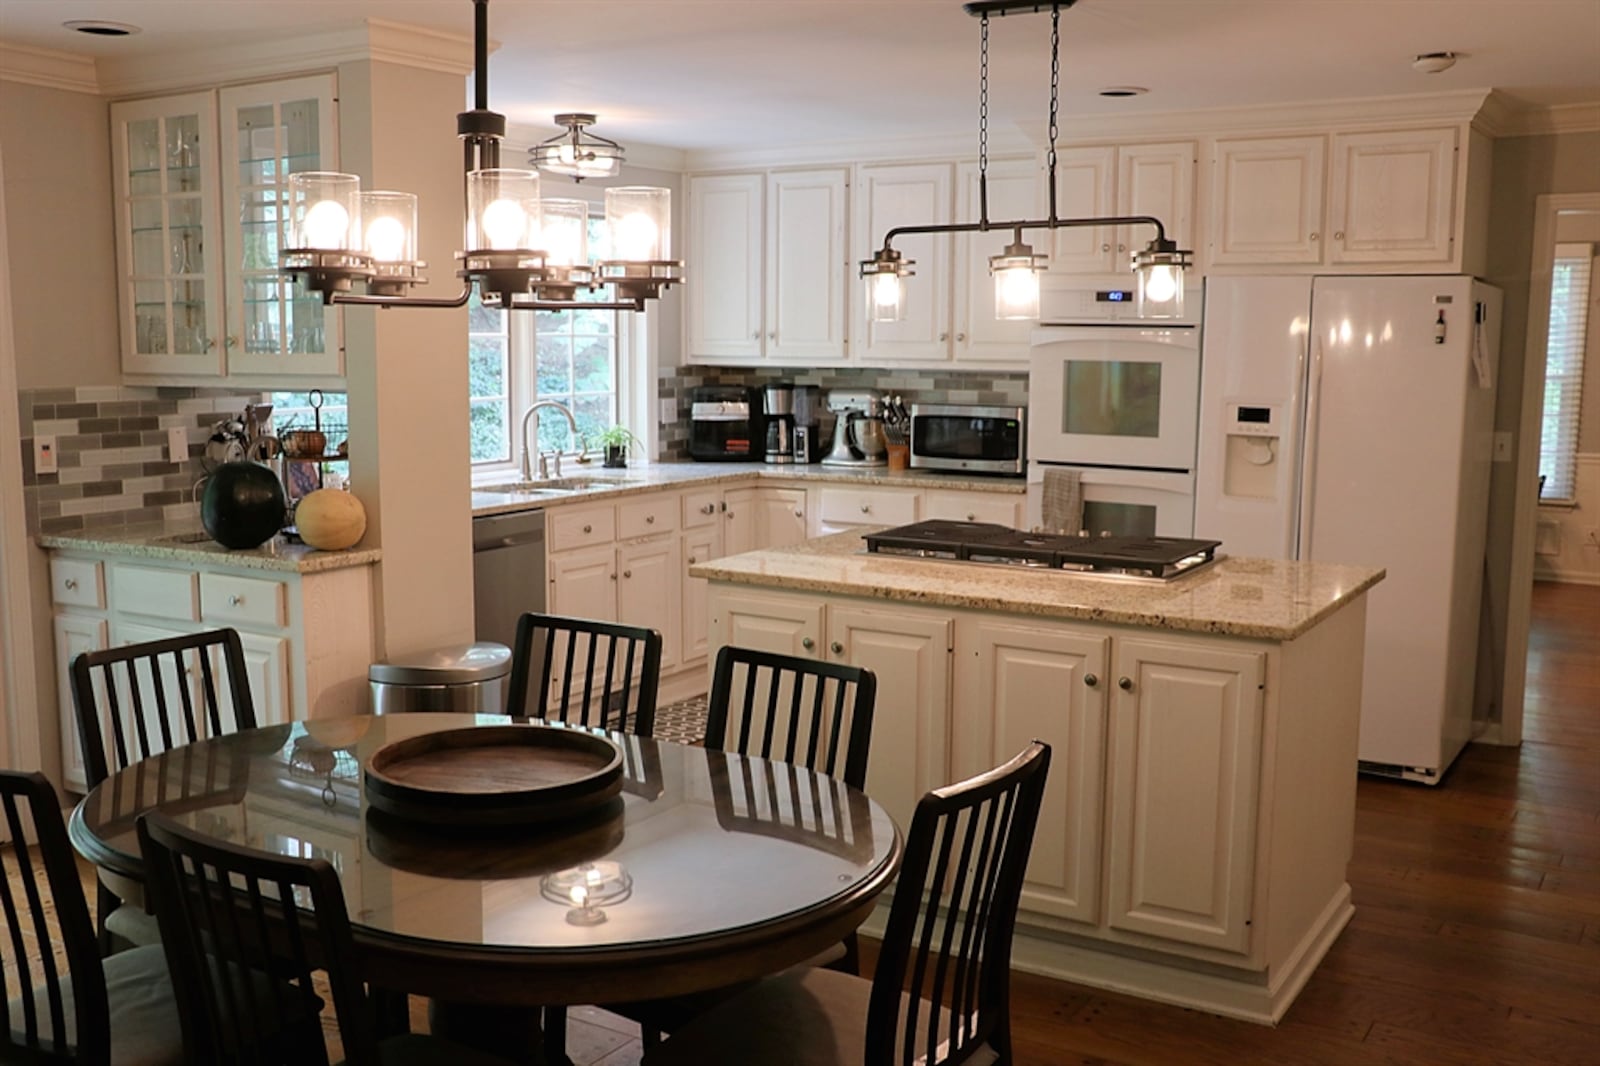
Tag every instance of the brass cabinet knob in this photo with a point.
(866, 508)
(627, 573)
(807, 643)
(1339, 235)
(708, 509)
(692, 560)
(1090, 680)
(71, 583)
(1125, 684)
(838, 649)
(649, 519)
(588, 529)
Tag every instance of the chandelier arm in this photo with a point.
(577, 305)
(1037, 223)
(372, 300)
(480, 54)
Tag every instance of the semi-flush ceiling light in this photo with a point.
(523, 252)
(577, 154)
(1160, 264)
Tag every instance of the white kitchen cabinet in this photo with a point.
(266, 668)
(782, 624)
(1392, 196)
(75, 633)
(1014, 683)
(200, 183)
(770, 250)
(1184, 766)
(1013, 196)
(1266, 204)
(1004, 509)
(583, 583)
(842, 507)
(1136, 179)
(899, 194)
(762, 517)
(699, 545)
(649, 590)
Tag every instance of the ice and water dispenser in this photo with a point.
(1251, 454)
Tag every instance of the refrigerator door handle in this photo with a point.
(1308, 452)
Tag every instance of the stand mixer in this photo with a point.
(858, 432)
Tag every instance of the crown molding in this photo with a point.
(1543, 121)
(372, 39)
(520, 138)
(49, 68)
(1002, 142)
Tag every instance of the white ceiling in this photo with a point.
(719, 74)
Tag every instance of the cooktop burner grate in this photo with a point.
(984, 542)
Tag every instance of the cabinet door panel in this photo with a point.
(1016, 683)
(1157, 180)
(172, 686)
(649, 585)
(1267, 204)
(993, 507)
(74, 634)
(1013, 194)
(1085, 188)
(266, 665)
(699, 546)
(783, 517)
(725, 216)
(907, 195)
(1392, 197)
(583, 584)
(741, 526)
(806, 289)
(787, 625)
(1184, 762)
(910, 654)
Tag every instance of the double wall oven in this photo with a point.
(1116, 399)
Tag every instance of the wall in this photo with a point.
(1524, 167)
(61, 237)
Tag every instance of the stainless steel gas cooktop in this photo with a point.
(1157, 559)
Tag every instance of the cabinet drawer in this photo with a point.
(974, 507)
(868, 507)
(77, 583)
(159, 593)
(582, 527)
(700, 508)
(648, 515)
(250, 601)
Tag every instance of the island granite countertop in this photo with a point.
(184, 543)
(1265, 598)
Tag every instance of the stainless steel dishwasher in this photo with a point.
(507, 572)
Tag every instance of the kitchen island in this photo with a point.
(1199, 817)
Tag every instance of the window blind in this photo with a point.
(1563, 370)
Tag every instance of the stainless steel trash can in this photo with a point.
(470, 678)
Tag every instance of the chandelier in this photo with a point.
(576, 154)
(1158, 266)
(524, 251)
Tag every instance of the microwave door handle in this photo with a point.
(1308, 455)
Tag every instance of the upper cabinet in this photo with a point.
(916, 194)
(1013, 196)
(200, 215)
(1267, 203)
(1391, 197)
(1105, 181)
(770, 266)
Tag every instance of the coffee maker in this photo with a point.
(778, 408)
(858, 432)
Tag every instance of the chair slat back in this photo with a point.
(801, 711)
(607, 673)
(244, 931)
(948, 939)
(43, 903)
(155, 695)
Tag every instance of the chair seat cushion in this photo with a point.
(131, 922)
(799, 1018)
(144, 1020)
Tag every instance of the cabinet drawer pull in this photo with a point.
(613, 577)
(235, 600)
(799, 514)
(1125, 684)
(1338, 235)
(838, 649)
(71, 584)
(588, 529)
(649, 519)
(692, 560)
(1090, 680)
(972, 516)
(708, 509)
(627, 573)
(1105, 247)
(807, 643)
(1315, 236)
(961, 338)
(866, 508)
(730, 515)
(943, 336)
(756, 335)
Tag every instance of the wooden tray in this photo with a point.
(494, 775)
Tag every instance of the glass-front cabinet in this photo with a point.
(201, 195)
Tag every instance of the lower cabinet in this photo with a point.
(75, 634)
(762, 516)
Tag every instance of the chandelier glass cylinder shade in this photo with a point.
(523, 252)
(577, 154)
(1159, 266)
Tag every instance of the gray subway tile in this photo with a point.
(63, 524)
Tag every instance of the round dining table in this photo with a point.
(706, 869)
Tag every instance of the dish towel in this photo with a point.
(1063, 501)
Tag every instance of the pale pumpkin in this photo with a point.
(330, 519)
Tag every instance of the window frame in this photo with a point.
(1566, 335)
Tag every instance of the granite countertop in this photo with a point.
(1264, 598)
(185, 543)
(609, 483)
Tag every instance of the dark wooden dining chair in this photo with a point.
(230, 917)
(149, 697)
(941, 990)
(608, 673)
(94, 1013)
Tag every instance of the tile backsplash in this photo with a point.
(111, 453)
(917, 386)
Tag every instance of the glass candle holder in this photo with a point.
(502, 210)
(324, 210)
(639, 222)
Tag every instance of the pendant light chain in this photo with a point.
(1055, 94)
(983, 124)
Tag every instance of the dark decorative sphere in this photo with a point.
(243, 505)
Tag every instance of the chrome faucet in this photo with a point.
(531, 415)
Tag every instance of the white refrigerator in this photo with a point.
(1350, 420)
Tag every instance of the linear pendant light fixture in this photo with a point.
(1158, 266)
(523, 252)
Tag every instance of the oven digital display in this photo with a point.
(1113, 296)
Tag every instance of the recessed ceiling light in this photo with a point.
(101, 28)
(1124, 90)
(1434, 62)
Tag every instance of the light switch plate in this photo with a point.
(669, 410)
(177, 444)
(1502, 446)
(44, 455)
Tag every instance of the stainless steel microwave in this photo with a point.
(976, 438)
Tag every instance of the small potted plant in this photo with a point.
(615, 441)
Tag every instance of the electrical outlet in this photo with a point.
(1502, 446)
(177, 444)
(669, 410)
(44, 455)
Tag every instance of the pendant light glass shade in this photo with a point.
(1159, 271)
(389, 226)
(324, 211)
(886, 298)
(564, 232)
(502, 210)
(1016, 281)
(639, 223)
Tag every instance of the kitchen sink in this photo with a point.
(557, 486)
